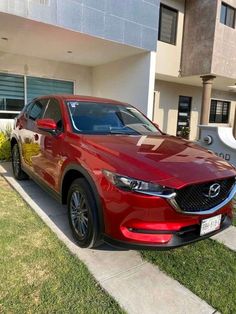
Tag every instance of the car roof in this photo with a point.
(65, 97)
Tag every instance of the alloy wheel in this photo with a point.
(79, 214)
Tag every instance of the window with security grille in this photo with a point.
(11, 95)
(227, 15)
(219, 111)
(168, 24)
(37, 86)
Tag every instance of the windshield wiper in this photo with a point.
(122, 131)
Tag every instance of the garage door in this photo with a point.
(40, 86)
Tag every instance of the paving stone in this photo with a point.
(227, 237)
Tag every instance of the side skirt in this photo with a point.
(43, 185)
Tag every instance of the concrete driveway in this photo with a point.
(138, 286)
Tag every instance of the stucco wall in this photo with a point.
(166, 105)
(130, 80)
(169, 56)
(224, 53)
(16, 64)
(198, 38)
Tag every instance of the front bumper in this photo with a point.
(136, 220)
(178, 238)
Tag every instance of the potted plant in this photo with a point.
(185, 131)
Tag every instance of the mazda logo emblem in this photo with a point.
(214, 190)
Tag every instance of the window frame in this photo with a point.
(61, 129)
(224, 102)
(227, 7)
(5, 113)
(162, 5)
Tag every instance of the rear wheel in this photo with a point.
(19, 174)
(82, 214)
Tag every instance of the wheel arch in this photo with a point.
(73, 172)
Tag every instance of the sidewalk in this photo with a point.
(138, 286)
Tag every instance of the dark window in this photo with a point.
(10, 104)
(37, 109)
(219, 112)
(7, 115)
(227, 15)
(53, 111)
(184, 114)
(168, 24)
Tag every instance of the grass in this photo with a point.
(207, 268)
(38, 273)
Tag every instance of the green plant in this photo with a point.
(8, 130)
(5, 146)
(185, 132)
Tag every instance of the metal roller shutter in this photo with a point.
(40, 86)
(11, 86)
(11, 93)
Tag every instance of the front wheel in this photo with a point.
(18, 173)
(82, 214)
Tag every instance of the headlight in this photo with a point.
(138, 186)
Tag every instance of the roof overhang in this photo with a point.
(26, 37)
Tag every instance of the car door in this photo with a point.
(29, 138)
(48, 163)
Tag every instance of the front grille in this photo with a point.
(195, 198)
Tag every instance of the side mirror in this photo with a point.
(47, 125)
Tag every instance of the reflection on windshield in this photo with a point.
(103, 118)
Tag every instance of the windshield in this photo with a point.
(103, 118)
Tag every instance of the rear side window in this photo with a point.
(27, 108)
(37, 109)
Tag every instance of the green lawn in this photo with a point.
(38, 273)
(207, 268)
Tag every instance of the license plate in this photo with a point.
(210, 224)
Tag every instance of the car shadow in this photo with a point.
(56, 212)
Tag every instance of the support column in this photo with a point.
(207, 82)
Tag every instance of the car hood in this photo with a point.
(163, 159)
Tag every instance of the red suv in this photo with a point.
(123, 180)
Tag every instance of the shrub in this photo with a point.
(5, 145)
(185, 131)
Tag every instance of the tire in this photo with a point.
(82, 214)
(18, 173)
